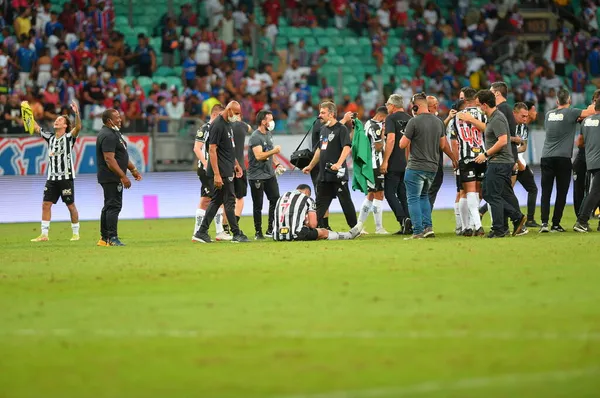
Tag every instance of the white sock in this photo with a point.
(490, 212)
(457, 216)
(199, 217)
(75, 228)
(219, 221)
(333, 236)
(464, 212)
(45, 227)
(377, 214)
(473, 203)
(364, 210)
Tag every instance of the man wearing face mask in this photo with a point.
(261, 171)
(222, 168)
(113, 162)
(334, 147)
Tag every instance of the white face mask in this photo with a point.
(235, 118)
(51, 89)
(271, 125)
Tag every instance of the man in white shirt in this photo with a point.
(215, 9)
(175, 109)
(551, 81)
(43, 17)
(369, 97)
(383, 14)
(240, 18)
(293, 75)
(253, 84)
(227, 28)
(464, 42)
(405, 89)
(265, 76)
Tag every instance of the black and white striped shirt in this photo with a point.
(522, 132)
(470, 139)
(61, 164)
(290, 215)
(202, 136)
(374, 131)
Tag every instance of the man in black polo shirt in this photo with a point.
(334, 147)
(113, 162)
(497, 185)
(394, 162)
(240, 185)
(222, 168)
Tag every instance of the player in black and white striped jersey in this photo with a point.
(296, 219)
(374, 129)
(524, 175)
(466, 133)
(201, 151)
(61, 171)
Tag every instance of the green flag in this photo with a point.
(361, 156)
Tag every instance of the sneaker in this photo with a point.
(381, 232)
(259, 236)
(544, 229)
(557, 228)
(415, 237)
(269, 233)
(518, 225)
(467, 232)
(75, 237)
(428, 233)
(494, 234)
(102, 242)
(524, 231)
(356, 231)
(201, 237)
(41, 238)
(580, 227)
(240, 238)
(458, 231)
(532, 224)
(407, 227)
(223, 237)
(115, 241)
(480, 232)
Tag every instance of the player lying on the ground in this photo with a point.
(296, 219)
(61, 166)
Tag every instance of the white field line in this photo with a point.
(431, 387)
(310, 335)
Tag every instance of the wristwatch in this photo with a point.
(485, 154)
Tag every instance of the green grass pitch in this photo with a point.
(375, 317)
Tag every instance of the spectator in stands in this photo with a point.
(578, 82)
(405, 89)
(12, 115)
(169, 43)
(227, 28)
(22, 23)
(326, 92)
(187, 17)
(370, 98)
(550, 81)
(42, 16)
(240, 18)
(557, 54)
(594, 64)
(417, 83)
(26, 59)
(359, 17)
(401, 57)
(340, 10)
(551, 100)
(202, 53)
(145, 57)
(238, 56)
(303, 58)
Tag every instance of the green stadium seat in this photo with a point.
(402, 70)
(310, 41)
(174, 81)
(140, 30)
(177, 71)
(121, 20)
(589, 92)
(163, 71)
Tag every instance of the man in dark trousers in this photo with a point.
(497, 185)
(261, 171)
(433, 103)
(222, 168)
(590, 138)
(113, 162)
(580, 169)
(560, 125)
(426, 135)
(334, 147)
(394, 162)
(500, 91)
(240, 185)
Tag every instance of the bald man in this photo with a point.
(432, 105)
(222, 168)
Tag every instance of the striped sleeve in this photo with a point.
(451, 129)
(525, 133)
(311, 205)
(46, 134)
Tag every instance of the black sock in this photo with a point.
(326, 222)
(226, 228)
(238, 219)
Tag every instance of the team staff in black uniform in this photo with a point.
(222, 167)
(113, 162)
(394, 162)
(334, 147)
(240, 185)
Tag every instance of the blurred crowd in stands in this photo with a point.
(50, 55)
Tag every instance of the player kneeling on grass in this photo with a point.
(296, 219)
(61, 166)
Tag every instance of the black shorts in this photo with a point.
(207, 183)
(307, 234)
(240, 185)
(471, 171)
(64, 189)
(379, 181)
